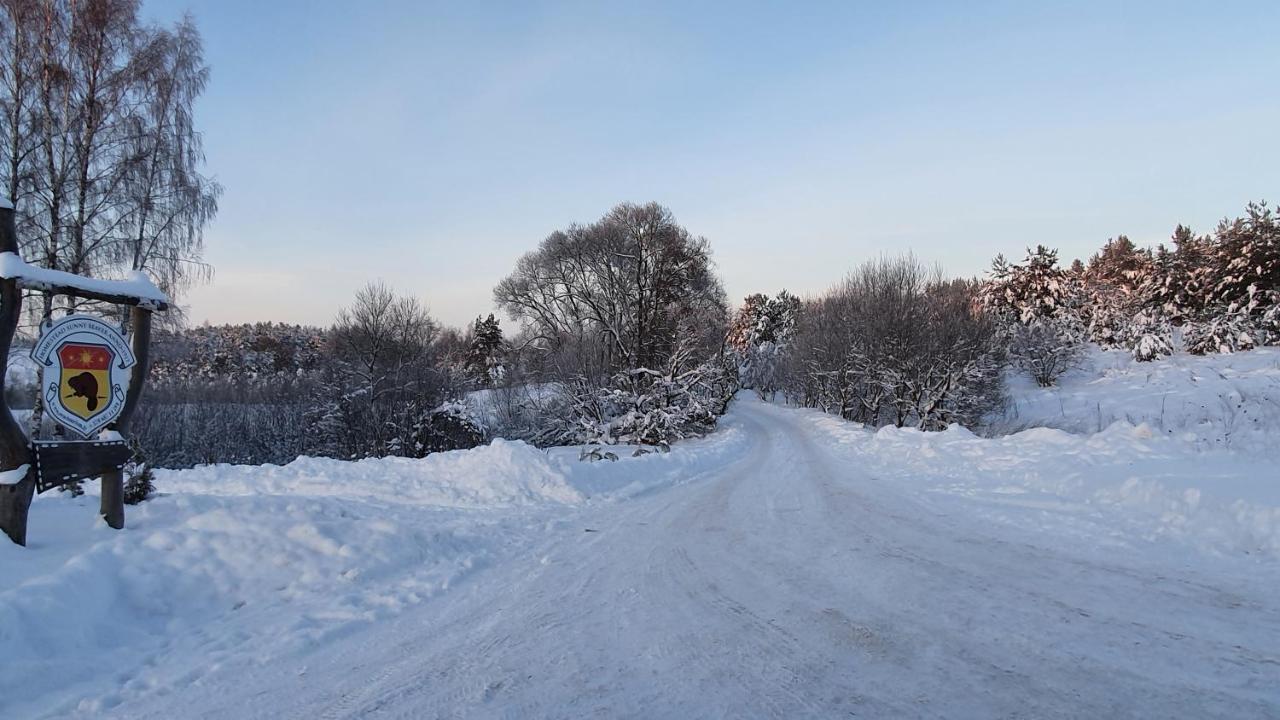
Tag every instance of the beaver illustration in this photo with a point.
(85, 385)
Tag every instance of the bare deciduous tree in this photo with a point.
(385, 389)
(896, 344)
(623, 292)
(101, 154)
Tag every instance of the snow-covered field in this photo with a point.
(1209, 402)
(1119, 558)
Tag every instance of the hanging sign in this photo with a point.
(86, 372)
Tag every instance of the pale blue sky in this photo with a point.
(431, 144)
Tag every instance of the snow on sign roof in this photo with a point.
(5, 203)
(137, 287)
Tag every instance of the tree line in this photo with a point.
(623, 336)
(898, 343)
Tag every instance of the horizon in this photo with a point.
(457, 139)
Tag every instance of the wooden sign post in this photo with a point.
(97, 384)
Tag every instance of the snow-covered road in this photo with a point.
(793, 582)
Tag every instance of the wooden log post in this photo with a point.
(112, 507)
(15, 497)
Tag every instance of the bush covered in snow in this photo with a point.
(1044, 348)
(139, 478)
(641, 407)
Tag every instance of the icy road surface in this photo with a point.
(795, 582)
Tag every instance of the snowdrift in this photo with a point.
(1209, 401)
(503, 473)
(259, 560)
(235, 564)
(1180, 449)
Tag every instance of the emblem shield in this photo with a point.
(85, 382)
(86, 372)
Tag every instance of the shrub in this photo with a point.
(139, 480)
(641, 407)
(1045, 348)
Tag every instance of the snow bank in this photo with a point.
(199, 580)
(235, 561)
(1181, 449)
(632, 475)
(1158, 486)
(503, 473)
(239, 564)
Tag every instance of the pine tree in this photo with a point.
(483, 363)
(1036, 289)
(1250, 247)
(745, 328)
(760, 335)
(1111, 289)
(139, 479)
(1119, 263)
(1037, 303)
(1237, 282)
(1175, 287)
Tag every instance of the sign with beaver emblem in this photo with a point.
(86, 372)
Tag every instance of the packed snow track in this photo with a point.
(792, 581)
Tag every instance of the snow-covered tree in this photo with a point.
(611, 306)
(139, 479)
(1037, 303)
(1110, 290)
(383, 389)
(1224, 289)
(484, 362)
(1037, 288)
(1150, 336)
(1181, 279)
(760, 336)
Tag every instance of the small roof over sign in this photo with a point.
(137, 289)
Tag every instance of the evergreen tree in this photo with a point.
(760, 335)
(1111, 291)
(1249, 254)
(1036, 289)
(139, 480)
(1237, 283)
(1036, 303)
(745, 328)
(483, 363)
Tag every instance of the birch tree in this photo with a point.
(101, 153)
